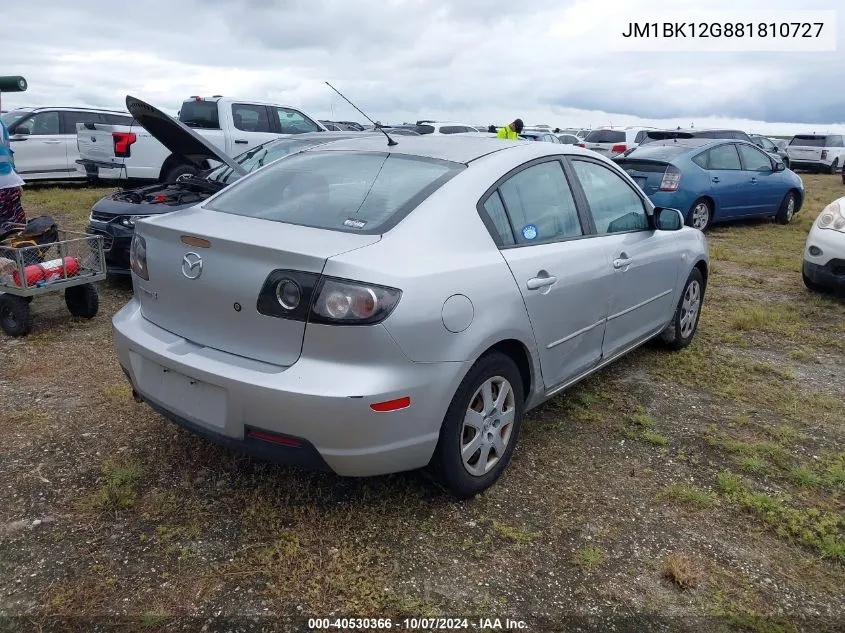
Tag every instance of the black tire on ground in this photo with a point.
(678, 333)
(179, 170)
(784, 215)
(447, 464)
(694, 221)
(15, 315)
(834, 166)
(82, 301)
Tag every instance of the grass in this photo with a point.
(652, 437)
(683, 571)
(119, 488)
(692, 495)
(589, 557)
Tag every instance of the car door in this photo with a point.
(644, 262)
(562, 273)
(728, 184)
(766, 186)
(39, 146)
(252, 126)
(69, 120)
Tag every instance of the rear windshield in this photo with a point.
(264, 155)
(355, 192)
(659, 152)
(202, 114)
(605, 136)
(809, 141)
(424, 129)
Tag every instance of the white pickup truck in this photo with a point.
(124, 152)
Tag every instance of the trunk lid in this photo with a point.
(242, 253)
(648, 174)
(807, 147)
(94, 141)
(178, 137)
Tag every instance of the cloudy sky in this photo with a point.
(477, 61)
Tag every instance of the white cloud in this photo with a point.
(480, 61)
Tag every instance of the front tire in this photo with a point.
(787, 209)
(481, 427)
(15, 315)
(681, 330)
(178, 171)
(82, 301)
(700, 215)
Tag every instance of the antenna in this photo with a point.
(390, 141)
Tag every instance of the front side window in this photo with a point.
(293, 122)
(42, 124)
(250, 118)
(724, 157)
(356, 192)
(540, 204)
(614, 205)
(753, 159)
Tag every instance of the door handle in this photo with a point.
(52, 142)
(540, 282)
(715, 179)
(241, 141)
(753, 181)
(622, 262)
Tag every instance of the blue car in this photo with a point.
(715, 180)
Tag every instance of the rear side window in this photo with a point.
(640, 136)
(71, 118)
(701, 159)
(724, 157)
(117, 119)
(540, 205)
(834, 141)
(250, 118)
(356, 192)
(424, 129)
(499, 217)
(605, 136)
(455, 129)
(201, 114)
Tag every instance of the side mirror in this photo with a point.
(21, 131)
(780, 166)
(668, 219)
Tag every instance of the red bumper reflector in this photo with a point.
(392, 405)
(271, 437)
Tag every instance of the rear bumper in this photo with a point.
(323, 399)
(105, 170)
(810, 165)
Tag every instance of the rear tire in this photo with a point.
(82, 301)
(834, 166)
(700, 215)
(681, 330)
(15, 315)
(787, 209)
(490, 433)
(179, 170)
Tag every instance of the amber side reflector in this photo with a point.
(198, 242)
(392, 405)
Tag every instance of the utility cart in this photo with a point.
(71, 263)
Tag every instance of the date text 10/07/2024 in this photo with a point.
(723, 29)
(410, 624)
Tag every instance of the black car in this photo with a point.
(114, 216)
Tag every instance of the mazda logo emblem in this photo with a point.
(191, 265)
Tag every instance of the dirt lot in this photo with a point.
(696, 491)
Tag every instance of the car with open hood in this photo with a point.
(366, 308)
(114, 216)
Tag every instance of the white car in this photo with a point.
(611, 142)
(824, 252)
(44, 139)
(118, 152)
(817, 152)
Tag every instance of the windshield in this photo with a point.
(605, 136)
(202, 114)
(360, 192)
(263, 155)
(10, 118)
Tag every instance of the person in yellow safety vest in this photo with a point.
(511, 131)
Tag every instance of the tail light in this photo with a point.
(308, 297)
(671, 179)
(138, 257)
(618, 149)
(824, 154)
(122, 143)
(582, 145)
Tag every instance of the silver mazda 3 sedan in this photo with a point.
(366, 309)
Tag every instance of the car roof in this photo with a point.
(690, 143)
(452, 147)
(73, 109)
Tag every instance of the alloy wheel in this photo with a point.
(488, 425)
(689, 308)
